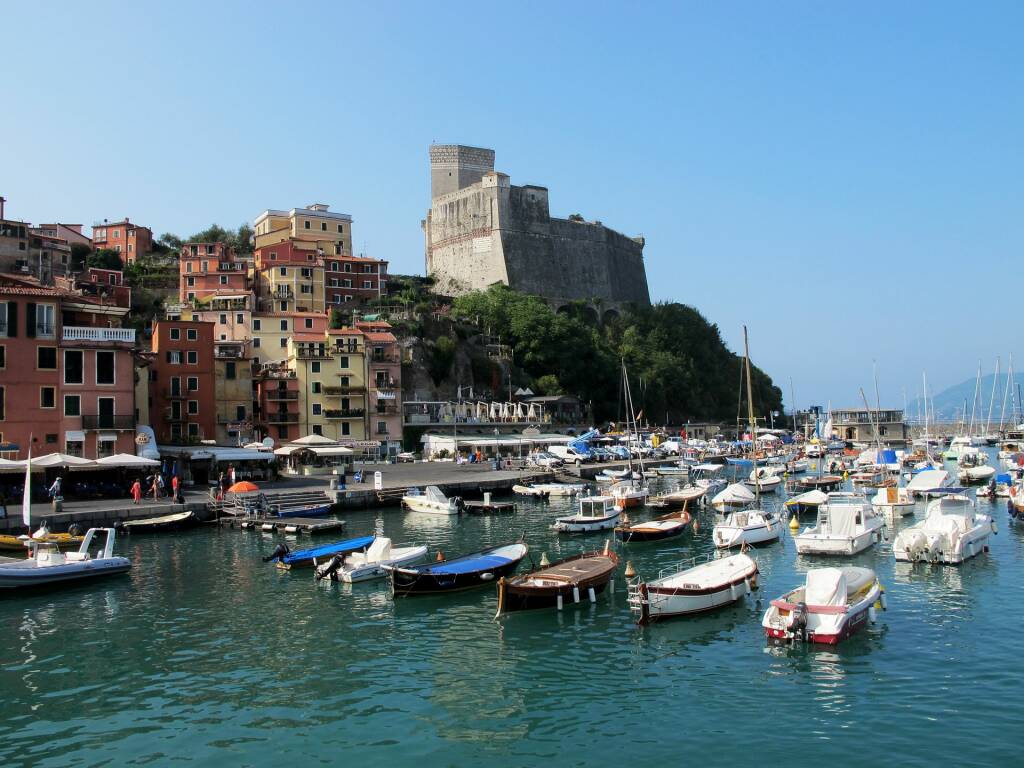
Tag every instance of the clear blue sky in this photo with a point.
(844, 179)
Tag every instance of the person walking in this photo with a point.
(155, 487)
(55, 488)
(174, 490)
(136, 491)
(231, 473)
(161, 486)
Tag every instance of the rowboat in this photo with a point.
(160, 523)
(551, 586)
(306, 558)
(664, 527)
(48, 565)
(466, 572)
(833, 604)
(367, 565)
(596, 513)
(307, 510)
(694, 586)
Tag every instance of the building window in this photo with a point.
(340, 229)
(191, 281)
(318, 429)
(223, 319)
(315, 366)
(316, 409)
(348, 298)
(191, 296)
(104, 367)
(305, 224)
(192, 383)
(239, 318)
(282, 432)
(382, 427)
(337, 298)
(314, 387)
(284, 342)
(256, 324)
(117, 234)
(306, 289)
(175, 334)
(343, 361)
(193, 430)
(223, 279)
(256, 342)
(348, 267)
(72, 405)
(229, 371)
(307, 272)
(239, 413)
(47, 397)
(346, 428)
(284, 306)
(284, 325)
(284, 271)
(323, 226)
(367, 284)
(3, 317)
(73, 362)
(2, 393)
(188, 268)
(193, 334)
(193, 407)
(175, 431)
(174, 357)
(346, 283)
(344, 381)
(74, 448)
(193, 357)
(104, 447)
(46, 359)
(45, 327)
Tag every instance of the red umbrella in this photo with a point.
(243, 487)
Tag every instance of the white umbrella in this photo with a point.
(309, 440)
(126, 460)
(63, 460)
(9, 465)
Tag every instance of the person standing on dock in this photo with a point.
(155, 487)
(174, 490)
(136, 491)
(55, 488)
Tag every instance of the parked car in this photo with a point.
(406, 458)
(601, 454)
(545, 459)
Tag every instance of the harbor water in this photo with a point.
(205, 655)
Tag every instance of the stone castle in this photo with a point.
(482, 230)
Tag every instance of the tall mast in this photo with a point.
(792, 398)
(1006, 394)
(992, 399)
(878, 403)
(974, 402)
(750, 414)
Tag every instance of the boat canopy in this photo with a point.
(467, 565)
(825, 586)
(929, 479)
(810, 498)
(737, 493)
(842, 518)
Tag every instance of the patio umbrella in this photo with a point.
(128, 460)
(243, 487)
(63, 460)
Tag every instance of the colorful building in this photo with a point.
(290, 287)
(211, 269)
(331, 372)
(271, 333)
(233, 392)
(67, 382)
(384, 383)
(182, 394)
(129, 240)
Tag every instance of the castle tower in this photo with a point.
(454, 167)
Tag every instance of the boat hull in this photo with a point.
(314, 510)
(658, 603)
(586, 525)
(371, 571)
(15, 578)
(173, 522)
(411, 582)
(825, 626)
(814, 544)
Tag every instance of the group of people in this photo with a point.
(157, 486)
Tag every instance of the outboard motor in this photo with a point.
(798, 623)
(330, 568)
(459, 503)
(279, 552)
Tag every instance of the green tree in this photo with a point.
(170, 242)
(337, 319)
(79, 254)
(441, 358)
(548, 385)
(104, 258)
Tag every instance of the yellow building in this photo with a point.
(330, 231)
(331, 369)
(233, 392)
(271, 332)
(291, 287)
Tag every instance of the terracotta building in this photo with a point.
(182, 394)
(211, 269)
(129, 240)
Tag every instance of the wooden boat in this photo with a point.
(307, 558)
(579, 577)
(678, 498)
(825, 483)
(466, 572)
(369, 564)
(63, 541)
(833, 604)
(694, 586)
(48, 565)
(663, 527)
(161, 523)
(596, 513)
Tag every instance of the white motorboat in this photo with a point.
(735, 496)
(46, 564)
(673, 470)
(707, 476)
(432, 501)
(951, 532)
(596, 513)
(694, 586)
(846, 525)
(833, 604)
(814, 450)
(371, 563)
(893, 502)
(928, 480)
(808, 501)
(764, 479)
(561, 489)
(629, 493)
(974, 467)
(747, 526)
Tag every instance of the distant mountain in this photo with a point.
(949, 403)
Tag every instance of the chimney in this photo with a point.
(2, 201)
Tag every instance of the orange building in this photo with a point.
(129, 240)
(384, 385)
(182, 395)
(211, 269)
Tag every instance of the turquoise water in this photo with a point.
(206, 655)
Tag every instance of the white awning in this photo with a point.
(108, 437)
(287, 450)
(74, 436)
(241, 454)
(331, 450)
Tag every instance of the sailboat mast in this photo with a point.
(1006, 393)
(750, 413)
(974, 402)
(992, 398)
(792, 399)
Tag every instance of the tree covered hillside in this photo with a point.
(678, 365)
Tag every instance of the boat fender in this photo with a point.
(279, 552)
(486, 576)
(872, 614)
(882, 600)
(328, 569)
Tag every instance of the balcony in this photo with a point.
(85, 333)
(312, 353)
(334, 391)
(385, 358)
(109, 421)
(175, 394)
(386, 384)
(282, 394)
(282, 418)
(229, 352)
(343, 413)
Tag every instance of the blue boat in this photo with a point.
(465, 572)
(311, 510)
(304, 558)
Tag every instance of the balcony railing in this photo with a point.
(85, 333)
(282, 394)
(345, 413)
(312, 353)
(174, 394)
(282, 418)
(344, 390)
(386, 384)
(229, 351)
(108, 421)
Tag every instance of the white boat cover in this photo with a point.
(810, 498)
(825, 586)
(435, 494)
(929, 480)
(842, 519)
(737, 493)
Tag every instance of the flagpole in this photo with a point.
(26, 498)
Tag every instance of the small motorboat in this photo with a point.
(530, 490)
(170, 522)
(707, 476)
(466, 572)
(664, 527)
(806, 502)
(764, 479)
(951, 532)
(561, 489)
(673, 471)
(825, 483)
(893, 502)
(974, 468)
(735, 496)
(678, 498)
(833, 604)
(369, 564)
(747, 526)
(432, 501)
(928, 480)
(305, 510)
(307, 558)
(846, 525)
(596, 513)
(48, 565)
(629, 493)
(694, 586)
(573, 579)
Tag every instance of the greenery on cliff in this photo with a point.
(678, 365)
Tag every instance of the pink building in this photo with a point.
(211, 269)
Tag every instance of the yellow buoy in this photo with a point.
(630, 570)
(794, 524)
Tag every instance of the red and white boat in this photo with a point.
(695, 586)
(833, 604)
(629, 493)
